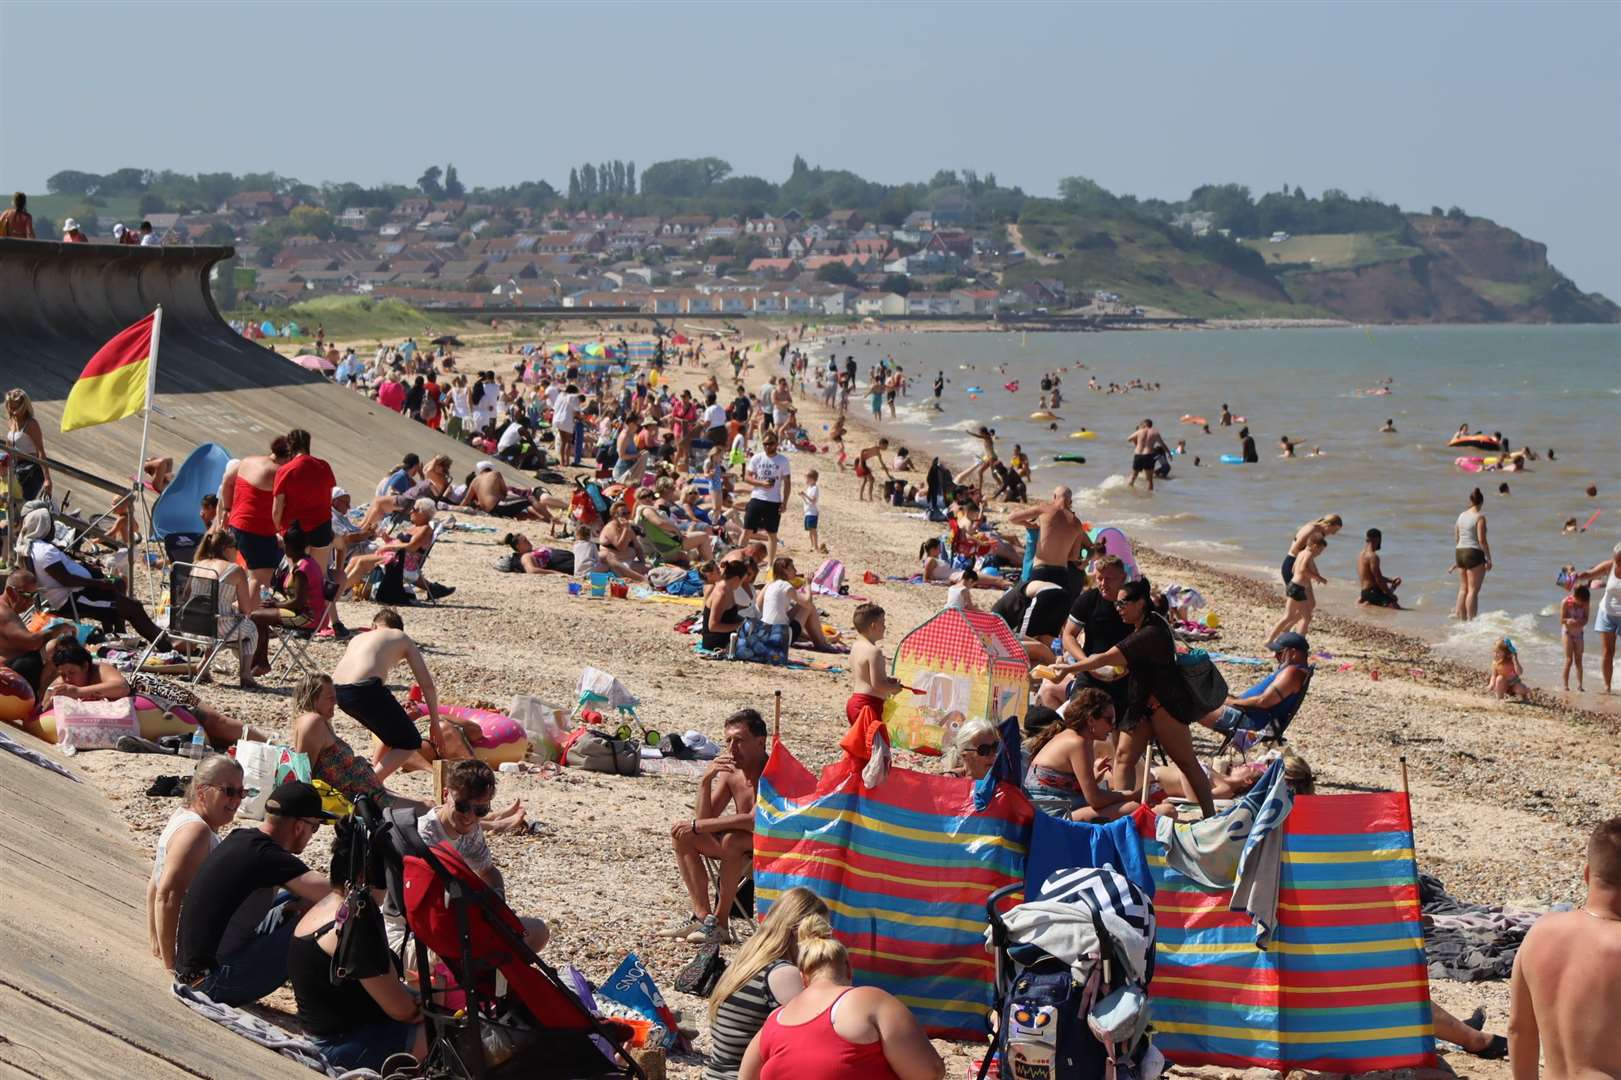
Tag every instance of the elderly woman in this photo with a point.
(1156, 692)
(974, 748)
(192, 833)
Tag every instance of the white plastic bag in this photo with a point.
(545, 724)
(260, 762)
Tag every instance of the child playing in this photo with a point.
(1573, 617)
(1507, 674)
(870, 682)
(810, 495)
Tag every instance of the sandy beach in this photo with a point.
(1504, 795)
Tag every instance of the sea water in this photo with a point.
(1542, 386)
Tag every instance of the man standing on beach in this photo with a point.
(771, 477)
(732, 779)
(1146, 444)
(1061, 542)
(864, 472)
(1565, 994)
(1377, 590)
(939, 388)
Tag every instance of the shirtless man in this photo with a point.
(22, 650)
(362, 694)
(1565, 994)
(1146, 442)
(732, 779)
(1061, 543)
(864, 463)
(490, 493)
(1377, 590)
(246, 498)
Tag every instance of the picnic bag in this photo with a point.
(762, 643)
(829, 578)
(597, 751)
(93, 725)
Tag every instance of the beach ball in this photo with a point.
(16, 697)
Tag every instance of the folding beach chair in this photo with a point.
(194, 613)
(1253, 729)
(743, 899)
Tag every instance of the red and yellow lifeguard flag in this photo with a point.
(113, 385)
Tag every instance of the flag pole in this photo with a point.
(136, 494)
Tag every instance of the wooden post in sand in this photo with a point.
(776, 721)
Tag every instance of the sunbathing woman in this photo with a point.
(80, 676)
(937, 571)
(1061, 779)
(1237, 783)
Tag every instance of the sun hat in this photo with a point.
(36, 524)
(484, 466)
(70, 225)
(339, 493)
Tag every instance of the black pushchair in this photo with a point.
(516, 1017)
(1071, 965)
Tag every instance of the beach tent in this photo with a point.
(966, 664)
(1114, 542)
(1341, 986)
(176, 510)
(905, 870)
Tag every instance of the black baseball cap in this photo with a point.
(297, 799)
(1290, 640)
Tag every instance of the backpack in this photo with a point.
(1043, 1033)
(597, 751)
(508, 563)
(829, 578)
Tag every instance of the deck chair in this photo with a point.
(1268, 728)
(293, 641)
(663, 546)
(194, 610)
(743, 899)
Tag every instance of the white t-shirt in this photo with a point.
(772, 467)
(46, 556)
(811, 496)
(564, 411)
(471, 845)
(151, 239)
(775, 601)
(715, 416)
(509, 438)
(957, 597)
(552, 393)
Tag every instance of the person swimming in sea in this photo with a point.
(1389, 428)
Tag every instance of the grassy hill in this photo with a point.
(1430, 268)
(350, 318)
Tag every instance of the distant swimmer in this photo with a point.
(1286, 448)
(1389, 428)
(1226, 416)
(1146, 443)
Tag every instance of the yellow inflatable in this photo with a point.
(1083, 434)
(154, 721)
(1042, 414)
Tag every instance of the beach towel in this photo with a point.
(265, 1034)
(905, 870)
(1057, 845)
(1059, 922)
(1239, 849)
(1470, 942)
(828, 579)
(34, 757)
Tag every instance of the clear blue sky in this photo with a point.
(1512, 111)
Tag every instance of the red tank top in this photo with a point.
(814, 1048)
(250, 509)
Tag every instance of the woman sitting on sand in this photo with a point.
(78, 675)
(721, 614)
(761, 979)
(1061, 778)
(1156, 692)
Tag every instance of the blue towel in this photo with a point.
(1059, 845)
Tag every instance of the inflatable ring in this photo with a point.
(1477, 442)
(1073, 459)
(1083, 434)
(501, 739)
(155, 721)
(1469, 464)
(1232, 459)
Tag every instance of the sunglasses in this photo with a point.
(230, 792)
(1122, 602)
(467, 806)
(985, 750)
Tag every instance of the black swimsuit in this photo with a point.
(717, 640)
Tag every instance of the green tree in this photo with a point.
(684, 177)
(837, 273)
(573, 185)
(896, 283)
(1086, 194)
(453, 185)
(588, 180)
(151, 204)
(72, 182)
(312, 221)
(630, 178)
(428, 182)
(376, 218)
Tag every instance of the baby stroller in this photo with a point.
(518, 1018)
(1071, 967)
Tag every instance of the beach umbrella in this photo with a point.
(311, 362)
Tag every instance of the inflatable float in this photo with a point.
(1186, 419)
(501, 739)
(1113, 542)
(1083, 434)
(972, 390)
(1073, 459)
(155, 721)
(1478, 441)
(1232, 459)
(1042, 414)
(16, 697)
(1475, 464)
(1011, 387)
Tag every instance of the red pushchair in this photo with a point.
(519, 1018)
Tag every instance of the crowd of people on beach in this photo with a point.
(684, 495)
